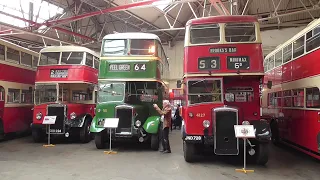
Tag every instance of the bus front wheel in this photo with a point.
(155, 142)
(37, 135)
(99, 140)
(85, 135)
(262, 154)
(188, 151)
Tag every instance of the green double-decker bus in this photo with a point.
(133, 75)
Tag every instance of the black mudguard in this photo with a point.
(262, 130)
(79, 121)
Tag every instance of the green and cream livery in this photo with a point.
(133, 75)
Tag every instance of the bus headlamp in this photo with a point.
(138, 123)
(229, 97)
(39, 116)
(73, 115)
(206, 123)
(245, 123)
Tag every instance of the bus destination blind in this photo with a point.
(238, 62)
(119, 67)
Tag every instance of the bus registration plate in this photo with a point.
(192, 138)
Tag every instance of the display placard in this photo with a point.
(111, 122)
(119, 67)
(238, 62)
(58, 73)
(244, 131)
(209, 63)
(49, 120)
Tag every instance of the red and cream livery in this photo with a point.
(65, 87)
(17, 77)
(292, 105)
(223, 68)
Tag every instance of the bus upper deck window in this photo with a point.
(208, 33)
(142, 47)
(115, 47)
(240, 32)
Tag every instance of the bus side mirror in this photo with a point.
(179, 84)
(269, 84)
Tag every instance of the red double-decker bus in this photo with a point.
(292, 105)
(17, 77)
(65, 87)
(223, 68)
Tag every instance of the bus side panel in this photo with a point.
(20, 75)
(311, 129)
(17, 118)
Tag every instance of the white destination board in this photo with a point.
(244, 131)
(111, 122)
(49, 120)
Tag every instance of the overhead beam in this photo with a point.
(95, 13)
(56, 28)
(35, 34)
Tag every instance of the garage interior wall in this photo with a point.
(270, 39)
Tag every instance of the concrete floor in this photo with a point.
(21, 159)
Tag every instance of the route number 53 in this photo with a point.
(203, 64)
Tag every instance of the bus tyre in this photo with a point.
(37, 135)
(99, 140)
(155, 142)
(274, 133)
(1, 130)
(188, 151)
(262, 154)
(85, 135)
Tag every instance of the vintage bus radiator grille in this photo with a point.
(59, 126)
(225, 141)
(125, 119)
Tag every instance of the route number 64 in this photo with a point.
(140, 67)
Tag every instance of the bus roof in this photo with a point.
(68, 49)
(18, 48)
(135, 35)
(310, 26)
(222, 19)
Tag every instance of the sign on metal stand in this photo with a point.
(48, 120)
(111, 123)
(244, 132)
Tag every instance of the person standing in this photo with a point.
(177, 118)
(166, 116)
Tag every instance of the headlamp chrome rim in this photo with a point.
(138, 123)
(73, 115)
(206, 123)
(39, 116)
